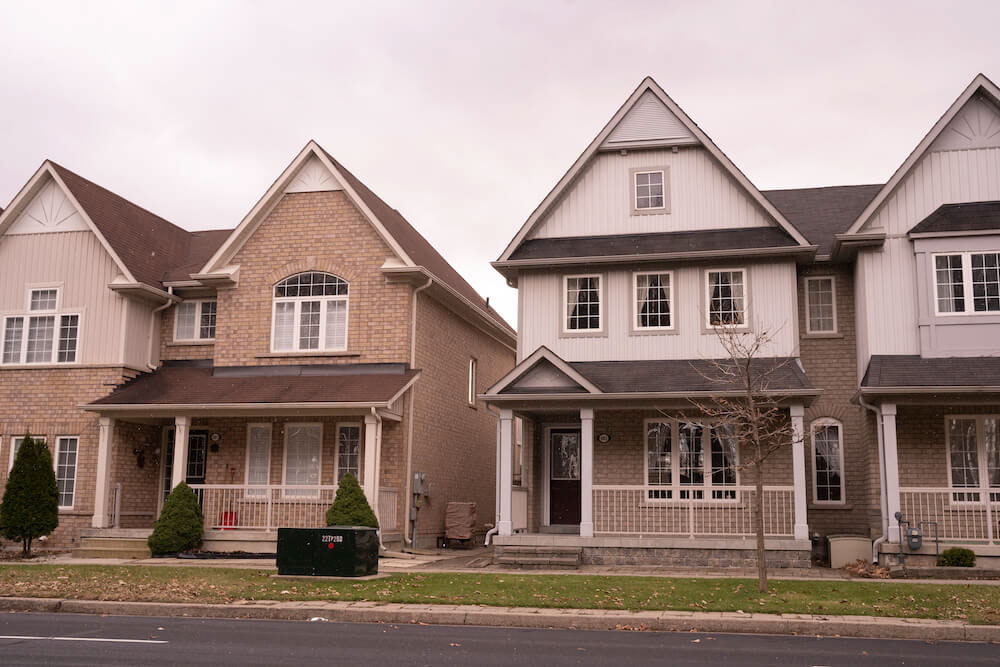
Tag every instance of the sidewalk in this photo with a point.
(523, 617)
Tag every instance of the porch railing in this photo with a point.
(641, 510)
(266, 507)
(962, 515)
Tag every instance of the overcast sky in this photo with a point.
(463, 115)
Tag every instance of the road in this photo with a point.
(71, 639)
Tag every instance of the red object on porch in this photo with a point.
(227, 520)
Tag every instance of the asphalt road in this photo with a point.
(70, 639)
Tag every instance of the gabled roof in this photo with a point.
(821, 213)
(970, 217)
(639, 98)
(980, 85)
(573, 381)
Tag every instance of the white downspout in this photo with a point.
(881, 477)
(496, 483)
(152, 322)
(407, 506)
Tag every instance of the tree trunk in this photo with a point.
(758, 527)
(26, 547)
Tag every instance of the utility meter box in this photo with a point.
(914, 539)
(335, 551)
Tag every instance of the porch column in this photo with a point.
(586, 472)
(370, 486)
(105, 434)
(891, 467)
(506, 477)
(182, 429)
(799, 472)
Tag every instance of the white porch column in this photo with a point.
(106, 430)
(506, 477)
(891, 467)
(370, 485)
(378, 466)
(586, 472)
(182, 429)
(799, 472)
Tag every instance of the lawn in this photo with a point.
(973, 603)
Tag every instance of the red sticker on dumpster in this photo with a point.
(330, 545)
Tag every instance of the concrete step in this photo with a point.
(539, 562)
(135, 533)
(543, 549)
(110, 552)
(112, 547)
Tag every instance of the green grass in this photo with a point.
(973, 603)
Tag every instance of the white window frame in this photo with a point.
(833, 302)
(968, 298)
(199, 307)
(708, 298)
(636, 315)
(305, 493)
(662, 171)
(992, 492)
(76, 467)
(517, 468)
(15, 442)
(814, 426)
(254, 493)
(473, 379)
(600, 304)
(675, 489)
(361, 441)
(297, 317)
(57, 315)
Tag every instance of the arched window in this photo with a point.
(828, 460)
(310, 313)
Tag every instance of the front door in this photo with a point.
(197, 459)
(564, 476)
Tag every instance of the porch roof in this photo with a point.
(199, 384)
(911, 373)
(982, 216)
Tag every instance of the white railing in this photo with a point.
(387, 510)
(266, 507)
(641, 510)
(965, 515)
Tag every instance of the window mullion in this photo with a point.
(296, 326)
(968, 303)
(323, 310)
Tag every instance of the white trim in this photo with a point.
(636, 326)
(662, 171)
(53, 360)
(361, 438)
(675, 487)
(526, 364)
(833, 292)
(815, 425)
(284, 461)
(984, 490)
(29, 288)
(324, 301)
(270, 443)
(473, 379)
(76, 467)
(600, 304)
(708, 298)
(199, 307)
(968, 295)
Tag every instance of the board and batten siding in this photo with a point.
(79, 262)
(772, 306)
(887, 304)
(701, 196)
(137, 345)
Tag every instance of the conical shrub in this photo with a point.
(180, 525)
(30, 506)
(350, 507)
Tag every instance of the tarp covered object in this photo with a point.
(459, 521)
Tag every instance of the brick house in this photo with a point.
(882, 302)
(322, 336)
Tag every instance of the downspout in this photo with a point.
(496, 510)
(408, 505)
(881, 476)
(152, 321)
(378, 469)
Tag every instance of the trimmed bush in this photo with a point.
(30, 506)
(180, 525)
(957, 557)
(350, 507)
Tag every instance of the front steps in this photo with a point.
(113, 543)
(538, 557)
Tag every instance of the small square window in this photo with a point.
(195, 320)
(650, 192)
(44, 299)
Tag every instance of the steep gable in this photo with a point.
(648, 121)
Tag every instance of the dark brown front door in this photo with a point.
(564, 476)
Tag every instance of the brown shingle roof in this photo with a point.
(911, 370)
(201, 246)
(969, 217)
(683, 375)
(821, 213)
(201, 384)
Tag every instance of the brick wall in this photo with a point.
(171, 350)
(829, 361)
(319, 231)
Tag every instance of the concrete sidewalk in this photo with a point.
(573, 619)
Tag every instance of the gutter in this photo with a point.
(407, 505)
(152, 321)
(942, 389)
(654, 257)
(881, 476)
(513, 398)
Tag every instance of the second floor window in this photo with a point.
(653, 301)
(967, 282)
(726, 298)
(821, 314)
(42, 335)
(310, 313)
(195, 321)
(583, 303)
(649, 192)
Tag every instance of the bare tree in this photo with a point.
(747, 408)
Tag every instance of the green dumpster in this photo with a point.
(334, 551)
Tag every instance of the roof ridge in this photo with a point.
(825, 187)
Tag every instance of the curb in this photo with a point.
(568, 619)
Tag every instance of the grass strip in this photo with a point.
(972, 603)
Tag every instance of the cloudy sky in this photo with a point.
(464, 114)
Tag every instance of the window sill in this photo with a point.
(583, 333)
(830, 506)
(834, 334)
(278, 355)
(654, 332)
(44, 364)
(187, 343)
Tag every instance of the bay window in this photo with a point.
(310, 313)
(967, 282)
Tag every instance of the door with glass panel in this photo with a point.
(564, 476)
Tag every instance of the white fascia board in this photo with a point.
(526, 365)
(967, 389)
(981, 82)
(259, 408)
(648, 84)
(683, 395)
(144, 291)
(656, 257)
